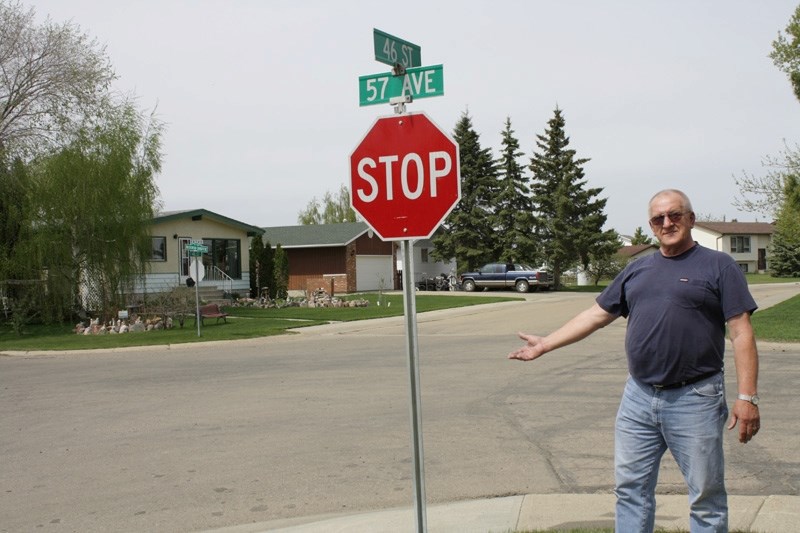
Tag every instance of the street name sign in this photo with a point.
(405, 177)
(196, 249)
(419, 82)
(395, 51)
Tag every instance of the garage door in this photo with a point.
(374, 272)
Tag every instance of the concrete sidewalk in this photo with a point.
(556, 512)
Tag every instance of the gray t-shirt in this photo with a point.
(676, 309)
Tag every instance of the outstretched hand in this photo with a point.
(533, 348)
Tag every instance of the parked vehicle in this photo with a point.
(439, 283)
(520, 277)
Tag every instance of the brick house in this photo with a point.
(339, 258)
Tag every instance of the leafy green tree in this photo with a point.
(13, 212)
(639, 237)
(514, 209)
(470, 235)
(281, 273)
(785, 246)
(93, 201)
(50, 75)
(333, 209)
(779, 190)
(569, 216)
(605, 266)
(786, 51)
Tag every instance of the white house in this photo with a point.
(747, 242)
(424, 264)
(224, 266)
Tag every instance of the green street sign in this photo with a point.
(394, 51)
(419, 82)
(195, 253)
(196, 247)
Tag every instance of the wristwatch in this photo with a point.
(752, 399)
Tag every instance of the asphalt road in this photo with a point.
(187, 438)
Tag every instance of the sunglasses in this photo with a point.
(674, 217)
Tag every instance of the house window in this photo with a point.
(740, 244)
(159, 249)
(743, 267)
(225, 254)
(424, 253)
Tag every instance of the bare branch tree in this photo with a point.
(764, 194)
(49, 74)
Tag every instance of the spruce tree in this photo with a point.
(262, 268)
(281, 273)
(514, 209)
(256, 250)
(469, 234)
(569, 216)
(639, 237)
(785, 247)
(267, 270)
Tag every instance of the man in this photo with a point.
(677, 302)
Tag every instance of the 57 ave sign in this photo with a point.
(419, 82)
(405, 177)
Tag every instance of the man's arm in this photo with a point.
(579, 327)
(745, 356)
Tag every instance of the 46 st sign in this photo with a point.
(405, 177)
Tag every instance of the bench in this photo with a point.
(212, 311)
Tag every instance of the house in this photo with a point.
(636, 251)
(339, 258)
(224, 267)
(746, 242)
(424, 265)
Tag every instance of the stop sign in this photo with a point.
(405, 177)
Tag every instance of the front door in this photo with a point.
(762, 259)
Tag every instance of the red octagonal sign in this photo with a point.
(405, 177)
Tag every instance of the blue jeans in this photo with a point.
(689, 422)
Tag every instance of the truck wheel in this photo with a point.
(521, 286)
(468, 285)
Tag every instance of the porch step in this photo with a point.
(211, 294)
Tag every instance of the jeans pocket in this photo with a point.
(709, 389)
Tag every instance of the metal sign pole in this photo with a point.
(197, 293)
(412, 347)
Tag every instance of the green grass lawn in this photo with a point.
(759, 279)
(780, 322)
(243, 323)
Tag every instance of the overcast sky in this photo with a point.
(261, 99)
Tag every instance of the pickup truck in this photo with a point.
(520, 277)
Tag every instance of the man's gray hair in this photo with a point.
(686, 203)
